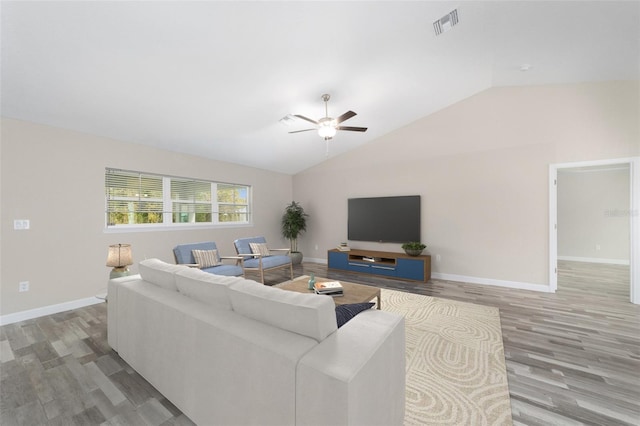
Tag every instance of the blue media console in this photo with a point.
(392, 265)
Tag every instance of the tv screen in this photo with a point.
(384, 219)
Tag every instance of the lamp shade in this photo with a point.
(119, 255)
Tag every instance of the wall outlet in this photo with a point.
(23, 286)
(597, 246)
(21, 224)
(438, 258)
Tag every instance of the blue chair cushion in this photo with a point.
(267, 262)
(183, 251)
(228, 270)
(242, 244)
(184, 254)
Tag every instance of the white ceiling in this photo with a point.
(213, 78)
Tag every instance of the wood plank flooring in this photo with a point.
(573, 357)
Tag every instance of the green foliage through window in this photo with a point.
(134, 198)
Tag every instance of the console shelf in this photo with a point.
(395, 265)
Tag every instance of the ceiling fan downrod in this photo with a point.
(326, 98)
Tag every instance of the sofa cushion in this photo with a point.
(160, 273)
(206, 258)
(205, 287)
(260, 248)
(306, 314)
(345, 312)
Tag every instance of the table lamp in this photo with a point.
(119, 258)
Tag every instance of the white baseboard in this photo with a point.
(490, 281)
(315, 260)
(48, 310)
(595, 260)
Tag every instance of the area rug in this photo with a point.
(456, 373)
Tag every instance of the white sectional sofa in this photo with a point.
(231, 351)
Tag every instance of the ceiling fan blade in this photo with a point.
(305, 130)
(344, 117)
(307, 119)
(352, 129)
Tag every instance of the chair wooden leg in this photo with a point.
(261, 269)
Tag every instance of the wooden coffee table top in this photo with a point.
(353, 293)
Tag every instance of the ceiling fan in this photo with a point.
(328, 126)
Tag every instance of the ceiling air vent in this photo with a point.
(445, 23)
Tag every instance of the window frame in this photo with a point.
(167, 211)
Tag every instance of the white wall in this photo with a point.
(593, 214)
(481, 169)
(55, 178)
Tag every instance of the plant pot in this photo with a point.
(296, 257)
(414, 252)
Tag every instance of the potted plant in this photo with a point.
(294, 222)
(413, 248)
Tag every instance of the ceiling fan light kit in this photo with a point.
(327, 126)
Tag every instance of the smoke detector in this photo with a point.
(445, 23)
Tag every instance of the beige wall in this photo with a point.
(593, 214)
(481, 167)
(55, 178)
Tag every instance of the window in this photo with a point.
(134, 198)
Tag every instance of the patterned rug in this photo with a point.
(456, 372)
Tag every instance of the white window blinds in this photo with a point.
(135, 198)
(191, 201)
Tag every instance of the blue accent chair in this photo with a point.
(257, 262)
(184, 256)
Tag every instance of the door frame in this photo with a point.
(634, 219)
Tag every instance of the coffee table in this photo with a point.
(353, 293)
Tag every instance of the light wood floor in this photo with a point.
(573, 357)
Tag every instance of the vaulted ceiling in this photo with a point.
(213, 79)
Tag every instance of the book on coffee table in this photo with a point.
(332, 294)
(331, 288)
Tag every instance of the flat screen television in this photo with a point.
(384, 219)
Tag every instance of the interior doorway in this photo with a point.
(614, 217)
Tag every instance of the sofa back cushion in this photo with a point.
(160, 273)
(310, 315)
(205, 287)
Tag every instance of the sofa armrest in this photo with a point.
(356, 376)
(112, 304)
